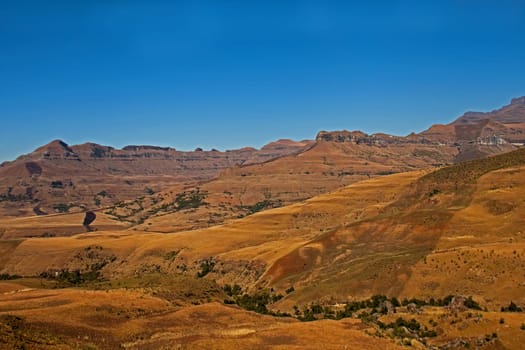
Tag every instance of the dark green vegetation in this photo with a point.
(57, 184)
(71, 278)
(262, 205)
(375, 306)
(206, 267)
(62, 207)
(402, 328)
(7, 277)
(511, 308)
(94, 258)
(191, 199)
(257, 302)
(370, 311)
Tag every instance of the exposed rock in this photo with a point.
(457, 304)
(413, 309)
(518, 101)
(98, 168)
(390, 309)
(359, 137)
(146, 148)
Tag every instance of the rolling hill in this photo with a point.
(62, 178)
(370, 237)
(418, 235)
(351, 240)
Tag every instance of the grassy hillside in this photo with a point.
(457, 230)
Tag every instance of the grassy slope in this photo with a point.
(138, 319)
(457, 230)
(367, 238)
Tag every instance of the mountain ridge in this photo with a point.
(90, 175)
(431, 258)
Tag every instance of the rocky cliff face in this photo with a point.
(359, 137)
(475, 134)
(60, 177)
(479, 134)
(507, 122)
(513, 113)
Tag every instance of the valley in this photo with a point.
(348, 241)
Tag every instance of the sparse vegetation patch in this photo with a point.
(257, 302)
(7, 277)
(206, 267)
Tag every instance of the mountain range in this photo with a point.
(58, 177)
(346, 241)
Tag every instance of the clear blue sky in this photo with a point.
(226, 74)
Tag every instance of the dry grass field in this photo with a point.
(455, 231)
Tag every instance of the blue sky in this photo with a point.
(227, 74)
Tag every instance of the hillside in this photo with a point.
(140, 184)
(325, 166)
(479, 134)
(423, 234)
(61, 178)
(379, 231)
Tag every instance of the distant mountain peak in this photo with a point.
(518, 101)
(55, 146)
(58, 143)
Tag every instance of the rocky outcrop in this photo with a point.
(480, 134)
(359, 137)
(98, 175)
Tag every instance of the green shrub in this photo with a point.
(511, 308)
(206, 267)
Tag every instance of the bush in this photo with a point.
(74, 277)
(6, 277)
(232, 291)
(511, 308)
(61, 208)
(57, 184)
(206, 267)
(188, 200)
(472, 304)
(256, 302)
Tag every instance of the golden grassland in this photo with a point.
(459, 230)
(137, 318)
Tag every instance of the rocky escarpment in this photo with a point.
(506, 123)
(359, 137)
(475, 134)
(60, 177)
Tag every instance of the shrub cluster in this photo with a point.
(511, 308)
(206, 267)
(6, 277)
(256, 302)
